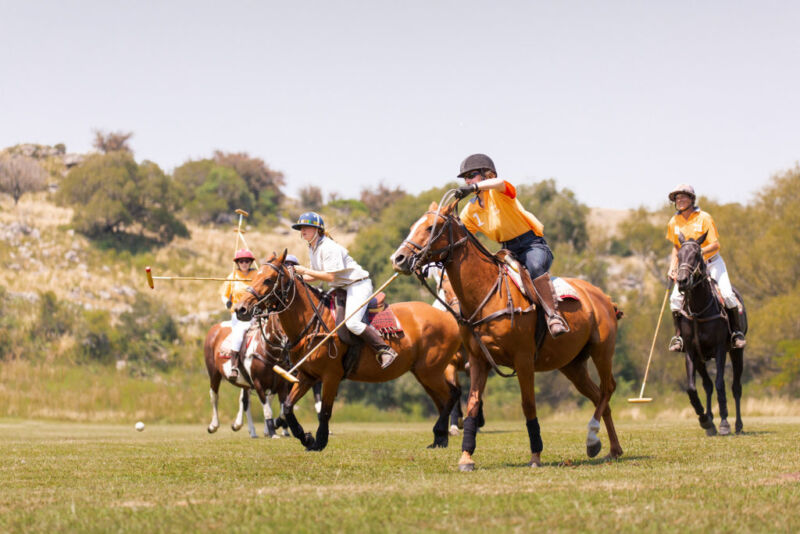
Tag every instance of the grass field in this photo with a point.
(380, 478)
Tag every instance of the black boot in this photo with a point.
(676, 343)
(737, 336)
(384, 353)
(547, 299)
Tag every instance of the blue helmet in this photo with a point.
(309, 218)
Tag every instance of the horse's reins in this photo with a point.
(424, 253)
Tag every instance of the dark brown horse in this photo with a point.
(498, 326)
(265, 349)
(429, 341)
(704, 329)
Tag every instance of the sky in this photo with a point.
(616, 101)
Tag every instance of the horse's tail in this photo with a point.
(617, 312)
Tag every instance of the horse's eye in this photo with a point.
(429, 229)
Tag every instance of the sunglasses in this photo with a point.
(244, 261)
(473, 174)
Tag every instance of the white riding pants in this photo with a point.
(718, 271)
(357, 293)
(238, 329)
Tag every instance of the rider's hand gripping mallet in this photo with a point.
(641, 399)
(150, 278)
(288, 374)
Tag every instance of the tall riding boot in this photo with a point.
(737, 336)
(676, 343)
(384, 353)
(547, 298)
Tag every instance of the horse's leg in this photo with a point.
(707, 419)
(722, 399)
(523, 365)
(691, 391)
(251, 428)
(318, 397)
(239, 421)
(269, 423)
(737, 362)
(602, 356)
(214, 380)
(330, 387)
(478, 373)
(298, 390)
(451, 375)
(444, 396)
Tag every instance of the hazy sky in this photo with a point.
(617, 101)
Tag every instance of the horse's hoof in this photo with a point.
(534, 465)
(711, 431)
(235, 428)
(453, 430)
(466, 467)
(594, 449)
(254, 436)
(275, 436)
(724, 428)
(212, 429)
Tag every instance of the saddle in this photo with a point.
(378, 315)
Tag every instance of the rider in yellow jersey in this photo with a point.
(692, 222)
(231, 293)
(496, 212)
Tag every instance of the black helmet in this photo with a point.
(476, 162)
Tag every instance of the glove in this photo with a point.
(228, 304)
(465, 190)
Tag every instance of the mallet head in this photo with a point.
(640, 400)
(149, 278)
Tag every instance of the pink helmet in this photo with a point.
(243, 254)
(686, 189)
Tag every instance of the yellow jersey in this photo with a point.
(235, 291)
(500, 217)
(698, 223)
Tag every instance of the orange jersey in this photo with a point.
(698, 223)
(501, 217)
(235, 291)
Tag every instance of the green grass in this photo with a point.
(379, 477)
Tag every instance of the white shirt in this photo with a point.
(330, 257)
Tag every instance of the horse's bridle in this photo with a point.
(423, 254)
(280, 292)
(696, 273)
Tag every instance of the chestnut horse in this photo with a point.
(425, 349)
(266, 351)
(498, 327)
(706, 336)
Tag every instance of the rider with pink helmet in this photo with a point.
(231, 293)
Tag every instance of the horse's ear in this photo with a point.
(434, 206)
(271, 258)
(702, 238)
(681, 238)
(283, 256)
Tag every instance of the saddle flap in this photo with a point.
(378, 303)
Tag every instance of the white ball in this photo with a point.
(139, 426)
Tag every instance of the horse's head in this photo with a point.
(691, 267)
(429, 240)
(270, 289)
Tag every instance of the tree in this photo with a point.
(264, 183)
(311, 197)
(378, 200)
(564, 218)
(114, 195)
(107, 142)
(20, 175)
(222, 192)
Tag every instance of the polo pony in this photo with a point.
(425, 348)
(704, 329)
(499, 325)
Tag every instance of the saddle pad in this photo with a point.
(562, 289)
(250, 343)
(386, 323)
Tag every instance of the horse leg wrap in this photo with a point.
(470, 429)
(294, 425)
(535, 435)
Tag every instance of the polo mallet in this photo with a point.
(287, 375)
(150, 278)
(641, 399)
(240, 234)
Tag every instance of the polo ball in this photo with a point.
(139, 426)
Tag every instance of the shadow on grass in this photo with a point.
(568, 463)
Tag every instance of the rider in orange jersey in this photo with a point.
(692, 222)
(496, 212)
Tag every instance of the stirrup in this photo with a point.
(676, 344)
(234, 372)
(553, 325)
(738, 341)
(386, 352)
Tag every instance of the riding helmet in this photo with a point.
(243, 254)
(309, 218)
(686, 189)
(476, 162)
(291, 259)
